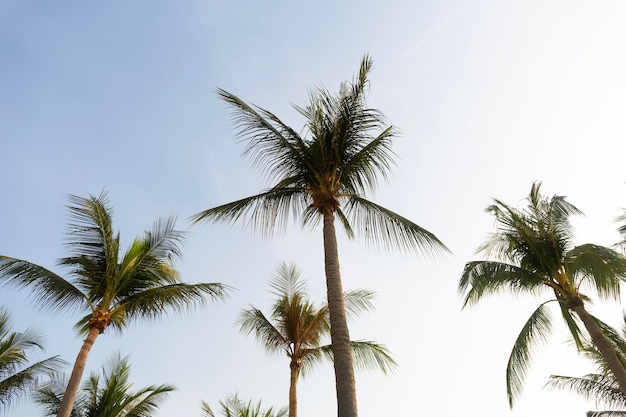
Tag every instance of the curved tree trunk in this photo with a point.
(340, 337)
(73, 384)
(293, 394)
(600, 341)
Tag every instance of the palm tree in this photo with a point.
(113, 288)
(105, 395)
(16, 376)
(233, 406)
(602, 386)
(320, 176)
(532, 250)
(297, 327)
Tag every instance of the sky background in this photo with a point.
(489, 96)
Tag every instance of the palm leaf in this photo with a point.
(535, 331)
(384, 227)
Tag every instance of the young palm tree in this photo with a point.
(532, 251)
(105, 395)
(320, 176)
(601, 387)
(297, 327)
(16, 376)
(113, 288)
(233, 406)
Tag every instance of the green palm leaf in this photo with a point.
(535, 331)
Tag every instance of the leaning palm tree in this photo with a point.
(105, 394)
(297, 327)
(233, 406)
(602, 386)
(531, 251)
(319, 176)
(113, 288)
(17, 377)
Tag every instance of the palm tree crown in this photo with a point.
(17, 377)
(106, 394)
(112, 287)
(298, 328)
(324, 174)
(533, 251)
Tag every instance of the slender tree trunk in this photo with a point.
(293, 394)
(73, 384)
(340, 337)
(600, 341)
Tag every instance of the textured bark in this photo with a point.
(73, 384)
(293, 394)
(600, 341)
(340, 337)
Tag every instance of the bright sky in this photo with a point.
(489, 96)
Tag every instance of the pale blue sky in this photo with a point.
(488, 95)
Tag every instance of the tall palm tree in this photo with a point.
(602, 386)
(297, 327)
(113, 288)
(105, 394)
(233, 406)
(17, 377)
(319, 176)
(531, 251)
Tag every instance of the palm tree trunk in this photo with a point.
(293, 394)
(340, 337)
(73, 384)
(600, 341)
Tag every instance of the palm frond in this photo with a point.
(381, 226)
(358, 301)
(49, 290)
(367, 355)
(264, 213)
(535, 331)
(253, 321)
(273, 147)
(154, 302)
(287, 282)
(602, 268)
(482, 278)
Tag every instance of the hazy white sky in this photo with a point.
(489, 96)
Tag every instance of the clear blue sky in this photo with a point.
(489, 96)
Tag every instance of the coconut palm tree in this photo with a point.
(233, 406)
(113, 288)
(17, 377)
(602, 386)
(531, 251)
(321, 176)
(105, 394)
(298, 328)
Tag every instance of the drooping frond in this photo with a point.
(155, 302)
(49, 290)
(358, 301)
(482, 278)
(599, 267)
(367, 355)
(253, 321)
(535, 331)
(574, 329)
(264, 213)
(591, 387)
(381, 226)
